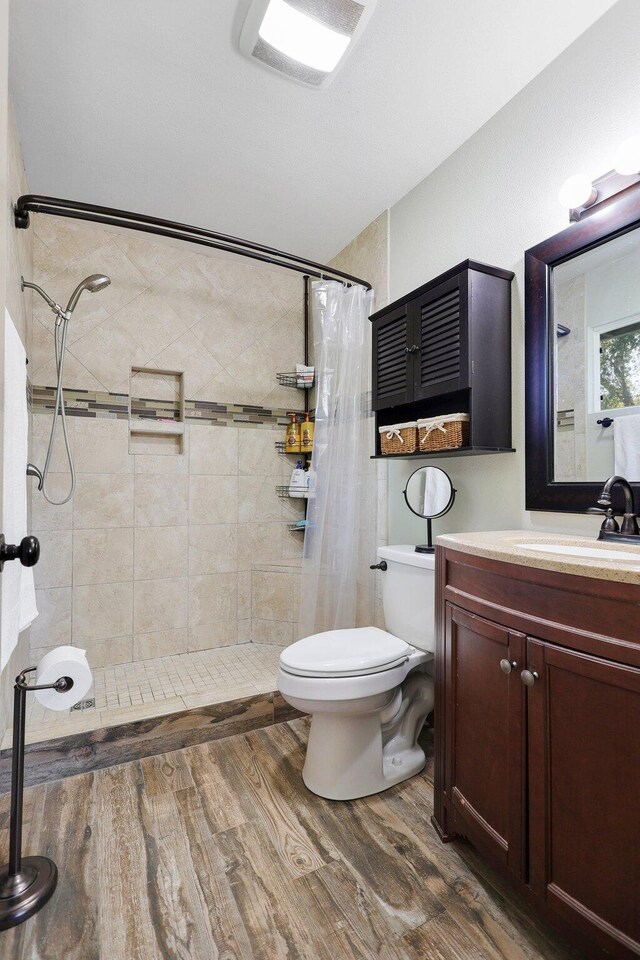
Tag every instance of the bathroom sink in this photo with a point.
(585, 553)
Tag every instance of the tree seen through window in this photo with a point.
(620, 368)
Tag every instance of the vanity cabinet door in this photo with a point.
(584, 792)
(485, 734)
(394, 352)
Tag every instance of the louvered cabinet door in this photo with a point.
(393, 354)
(441, 330)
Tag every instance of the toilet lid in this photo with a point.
(344, 653)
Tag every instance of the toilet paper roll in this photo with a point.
(63, 662)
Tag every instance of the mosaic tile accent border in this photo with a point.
(83, 403)
(115, 406)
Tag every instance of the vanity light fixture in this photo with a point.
(583, 196)
(306, 40)
(577, 191)
(627, 157)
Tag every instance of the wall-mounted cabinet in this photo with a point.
(446, 348)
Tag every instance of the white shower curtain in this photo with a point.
(339, 544)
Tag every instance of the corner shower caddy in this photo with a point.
(291, 379)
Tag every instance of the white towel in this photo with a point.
(626, 446)
(18, 594)
(437, 491)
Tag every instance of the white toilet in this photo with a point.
(368, 691)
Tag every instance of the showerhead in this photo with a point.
(97, 281)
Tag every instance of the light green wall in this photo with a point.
(490, 201)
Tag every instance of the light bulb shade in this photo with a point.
(627, 158)
(300, 37)
(304, 39)
(577, 191)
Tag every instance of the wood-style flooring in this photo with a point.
(218, 852)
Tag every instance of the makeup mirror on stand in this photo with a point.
(429, 494)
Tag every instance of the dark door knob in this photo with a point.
(27, 551)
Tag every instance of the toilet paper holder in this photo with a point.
(26, 884)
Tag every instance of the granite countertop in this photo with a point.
(507, 545)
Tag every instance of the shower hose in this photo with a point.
(60, 343)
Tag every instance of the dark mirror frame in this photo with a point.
(611, 218)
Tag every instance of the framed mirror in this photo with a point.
(429, 494)
(582, 357)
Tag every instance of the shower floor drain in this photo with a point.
(83, 705)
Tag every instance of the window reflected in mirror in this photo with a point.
(596, 339)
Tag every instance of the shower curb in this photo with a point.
(109, 746)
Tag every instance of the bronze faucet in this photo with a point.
(610, 529)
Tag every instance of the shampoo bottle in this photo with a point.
(306, 442)
(311, 481)
(292, 436)
(298, 482)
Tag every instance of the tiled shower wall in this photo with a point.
(229, 323)
(154, 553)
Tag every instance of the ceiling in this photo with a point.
(148, 105)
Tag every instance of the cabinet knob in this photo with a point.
(529, 677)
(508, 665)
(412, 349)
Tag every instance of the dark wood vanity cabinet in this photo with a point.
(486, 760)
(544, 778)
(446, 348)
(584, 791)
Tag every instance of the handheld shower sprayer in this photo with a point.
(93, 283)
(97, 281)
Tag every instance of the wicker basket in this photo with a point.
(444, 433)
(399, 438)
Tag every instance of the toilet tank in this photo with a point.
(408, 594)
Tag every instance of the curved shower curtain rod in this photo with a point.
(33, 203)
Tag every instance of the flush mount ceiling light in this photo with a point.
(304, 39)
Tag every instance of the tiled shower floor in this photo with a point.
(150, 688)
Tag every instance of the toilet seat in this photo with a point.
(356, 652)
(325, 689)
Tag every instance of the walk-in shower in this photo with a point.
(97, 281)
(176, 563)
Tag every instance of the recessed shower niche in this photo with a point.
(156, 411)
